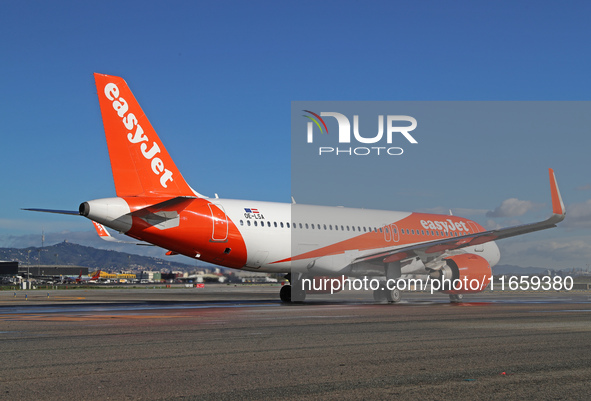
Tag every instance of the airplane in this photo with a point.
(92, 279)
(156, 205)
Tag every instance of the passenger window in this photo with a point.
(347, 228)
(255, 223)
(248, 223)
(275, 224)
(300, 225)
(342, 228)
(381, 230)
(281, 224)
(306, 226)
(422, 232)
(325, 226)
(413, 231)
(330, 227)
(287, 225)
(241, 222)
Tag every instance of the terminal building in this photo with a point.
(13, 269)
(8, 268)
(47, 271)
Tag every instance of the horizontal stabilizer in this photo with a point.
(175, 204)
(71, 212)
(104, 235)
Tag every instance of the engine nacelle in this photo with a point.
(112, 212)
(463, 274)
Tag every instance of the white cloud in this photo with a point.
(492, 225)
(578, 215)
(556, 252)
(513, 207)
(457, 211)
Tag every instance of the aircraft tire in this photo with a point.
(298, 296)
(380, 296)
(393, 296)
(456, 298)
(285, 294)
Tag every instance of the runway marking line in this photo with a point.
(83, 318)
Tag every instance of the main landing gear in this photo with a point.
(456, 298)
(292, 292)
(384, 295)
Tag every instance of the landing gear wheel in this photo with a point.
(285, 293)
(456, 298)
(379, 296)
(298, 295)
(289, 295)
(393, 296)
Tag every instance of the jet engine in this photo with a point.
(462, 274)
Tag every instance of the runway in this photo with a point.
(242, 343)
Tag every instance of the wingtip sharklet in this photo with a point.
(557, 204)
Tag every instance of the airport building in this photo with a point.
(8, 268)
(44, 271)
(51, 270)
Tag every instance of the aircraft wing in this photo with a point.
(447, 244)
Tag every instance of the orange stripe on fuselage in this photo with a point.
(436, 226)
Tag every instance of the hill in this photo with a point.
(518, 271)
(70, 254)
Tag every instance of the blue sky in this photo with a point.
(217, 80)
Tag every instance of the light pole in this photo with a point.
(28, 271)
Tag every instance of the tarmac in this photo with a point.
(226, 342)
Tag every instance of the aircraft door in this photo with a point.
(474, 229)
(219, 219)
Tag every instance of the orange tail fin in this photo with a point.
(140, 163)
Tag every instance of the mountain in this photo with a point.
(517, 270)
(69, 254)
